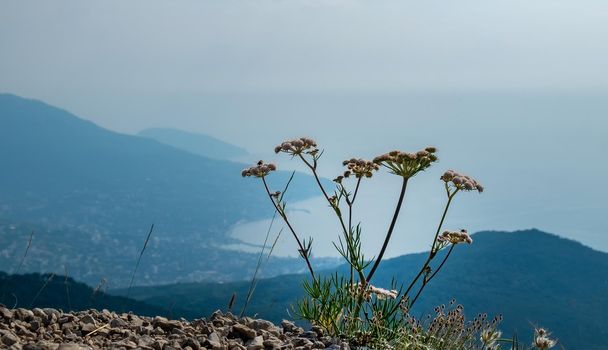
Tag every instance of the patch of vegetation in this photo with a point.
(349, 306)
(530, 277)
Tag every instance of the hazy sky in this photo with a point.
(514, 92)
(138, 48)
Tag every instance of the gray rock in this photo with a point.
(214, 337)
(88, 328)
(318, 345)
(39, 312)
(72, 346)
(135, 321)
(8, 338)
(147, 330)
(35, 325)
(216, 346)
(67, 318)
(24, 314)
(244, 331)
(87, 319)
(192, 343)
(178, 331)
(22, 330)
(297, 342)
(214, 342)
(145, 341)
(67, 326)
(256, 343)
(50, 312)
(261, 324)
(41, 346)
(6, 313)
(233, 344)
(159, 344)
(317, 330)
(118, 323)
(309, 335)
(290, 327)
(273, 344)
(165, 324)
(127, 344)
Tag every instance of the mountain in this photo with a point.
(91, 195)
(530, 277)
(203, 145)
(59, 292)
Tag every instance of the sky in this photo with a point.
(513, 92)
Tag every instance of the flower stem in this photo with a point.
(432, 251)
(303, 251)
(390, 230)
(350, 203)
(313, 169)
(426, 281)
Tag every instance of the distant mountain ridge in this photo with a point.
(98, 192)
(61, 292)
(203, 145)
(531, 277)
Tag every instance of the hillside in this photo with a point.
(531, 277)
(203, 145)
(55, 291)
(91, 195)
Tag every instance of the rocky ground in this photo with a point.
(50, 329)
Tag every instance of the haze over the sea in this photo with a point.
(505, 92)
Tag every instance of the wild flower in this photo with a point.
(369, 290)
(461, 182)
(407, 164)
(489, 336)
(455, 237)
(261, 169)
(297, 146)
(384, 293)
(351, 307)
(359, 167)
(542, 340)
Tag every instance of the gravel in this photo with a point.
(50, 329)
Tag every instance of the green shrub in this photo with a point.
(350, 306)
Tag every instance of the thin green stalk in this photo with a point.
(350, 203)
(67, 288)
(431, 252)
(27, 249)
(313, 169)
(442, 263)
(48, 280)
(139, 260)
(255, 280)
(259, 264)
(426, 281)
(253, 283)
(100, 285)
(303, 251)
(390, 230)
(365, 281)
